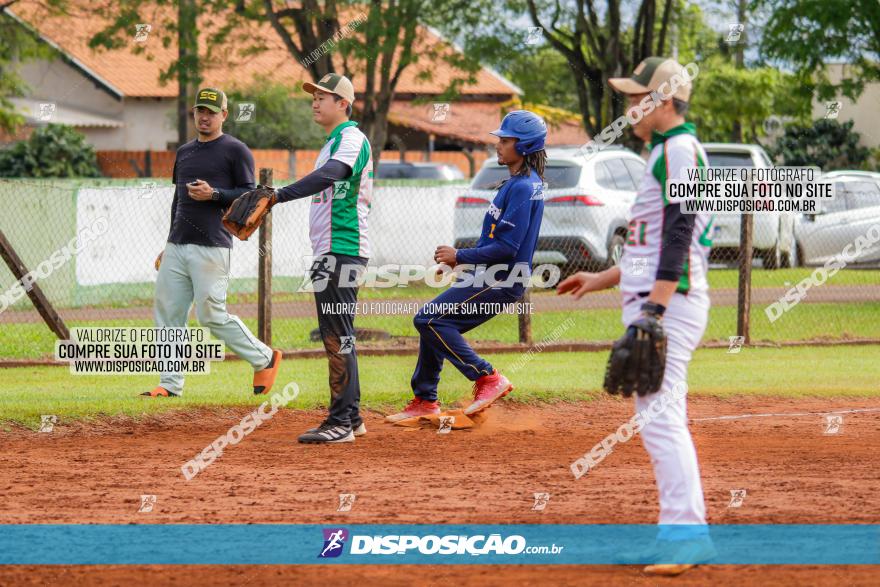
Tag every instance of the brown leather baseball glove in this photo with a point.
(246, 213)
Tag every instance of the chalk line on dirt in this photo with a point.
(771, 415)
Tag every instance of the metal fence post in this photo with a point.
(525, 320)
(744, 295)
(264, 270)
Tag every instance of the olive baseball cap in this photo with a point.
(333, 83)
(651, 74)
(212, 99)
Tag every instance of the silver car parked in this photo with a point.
(586, 201)
(418, 170)
(772, 232)
(840, 221)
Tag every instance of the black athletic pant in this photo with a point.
(335, 306)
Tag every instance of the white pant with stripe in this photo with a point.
(666, 437)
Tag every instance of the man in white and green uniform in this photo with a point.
(662, 279)
(338, 215)
(654, 225)
(663, 272)
(340, 188)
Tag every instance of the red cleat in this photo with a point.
(487, 389)
(417, 407)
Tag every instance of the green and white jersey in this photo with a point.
(672, 153)
(338, 215)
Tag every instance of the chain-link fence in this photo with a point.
(90, 246)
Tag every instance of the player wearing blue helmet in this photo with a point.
(492, 274)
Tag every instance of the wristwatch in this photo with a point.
(215, 195)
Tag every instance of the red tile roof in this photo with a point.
(137, 74)
(472, 121)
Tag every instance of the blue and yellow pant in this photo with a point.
(441, 324)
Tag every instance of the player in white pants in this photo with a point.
(663, 273)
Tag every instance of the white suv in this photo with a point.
(586, 201)
(773, 239)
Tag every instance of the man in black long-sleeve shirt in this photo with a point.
(209, 173)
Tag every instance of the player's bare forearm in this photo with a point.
(583, 282)
(662, 292)
(610, 277)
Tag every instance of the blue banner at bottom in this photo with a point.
(283, 544)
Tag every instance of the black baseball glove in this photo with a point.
(638, 358)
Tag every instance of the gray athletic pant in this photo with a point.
(193, 273)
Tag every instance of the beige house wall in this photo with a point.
(865, 112)
(148, 123)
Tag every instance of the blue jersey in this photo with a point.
(510, 227)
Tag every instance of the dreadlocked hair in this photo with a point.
(536, 161)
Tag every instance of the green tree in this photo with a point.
(544, 76)
(725, 95)
(280, 121)
(549, 66)
(694, 39)
(826, 143)
(19, 45)
(53, 150)
(374, 41)
(597, 44)
(547, 75)
(178, 25)
(810, 33)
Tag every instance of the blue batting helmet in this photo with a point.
(527, 127)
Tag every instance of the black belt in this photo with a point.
(644, 294)
(641, 294)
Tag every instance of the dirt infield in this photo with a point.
(792, 471)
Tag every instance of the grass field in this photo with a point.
(718, 278)
(788, 277)
(125, 295)
(787, 372)
(807, 322)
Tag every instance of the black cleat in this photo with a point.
(328, 434)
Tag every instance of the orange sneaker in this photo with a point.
(487, 389)
(265, 378)
(417, 407)
(159, 391)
